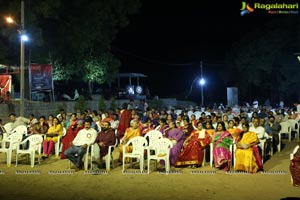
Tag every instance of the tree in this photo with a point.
(255, 59)
(72, 33)
(100, 69)
(80, 104)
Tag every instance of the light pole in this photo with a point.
(23, 38)
(202, 82)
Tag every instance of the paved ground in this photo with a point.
(53, 180)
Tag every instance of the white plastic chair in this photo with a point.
(61, 145)
(294, 127)
(152, 136)
(35, 144)
(8, 127)
(21, 129)
(109, 159)
(286, 129)
(162, 152)
(13, 140)
(139, 144)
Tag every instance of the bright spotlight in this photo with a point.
(202, 81)
(130, 90)
(139, 89)
(24, 38)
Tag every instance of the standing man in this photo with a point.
(80, 143)
(124, 123)
(104, 139)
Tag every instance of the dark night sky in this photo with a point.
(165, 37)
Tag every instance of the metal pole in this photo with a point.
(202, 95)
(22, 52)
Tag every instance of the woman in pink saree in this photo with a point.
(222, 140)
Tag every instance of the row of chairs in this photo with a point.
(157, 148)
(290, 126)
(12, 140)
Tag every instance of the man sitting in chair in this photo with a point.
(106, 137)
(80, 143)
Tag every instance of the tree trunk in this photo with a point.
(90, 88)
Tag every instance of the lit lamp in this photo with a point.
(23, 38)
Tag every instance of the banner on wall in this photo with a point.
(5, 84)
(40, 77)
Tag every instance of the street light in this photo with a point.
(23, 38)
(202, 82)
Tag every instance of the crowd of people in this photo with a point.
(193, 136)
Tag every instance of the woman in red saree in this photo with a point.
(70, 135)
(295, 166)
(193, 148)
(125, 118)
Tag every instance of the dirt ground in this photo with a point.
(52, 180)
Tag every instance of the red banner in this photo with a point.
(40, 77)
(5, 84)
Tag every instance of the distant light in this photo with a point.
(139, 89)
(298, 58)
(202, 81)
(130, 89)
(24, 38)
(10, 20)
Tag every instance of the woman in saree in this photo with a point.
(295, 166)
(193, 148)
(222, 140)
(177, 137)
(210, 130)
(247, 154)
(131, 132)
(234, 131)
(162, 125)
(70, 135)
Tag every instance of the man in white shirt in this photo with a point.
(259, 130)
(18, 120)
(80, 143)
(261, 133)
(297, 105)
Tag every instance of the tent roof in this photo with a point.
(130, 75)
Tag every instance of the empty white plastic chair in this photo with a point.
(152, 136)
(12, 142)
(286, 129)
(35, 145)
(138, 145)
(161, 152)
